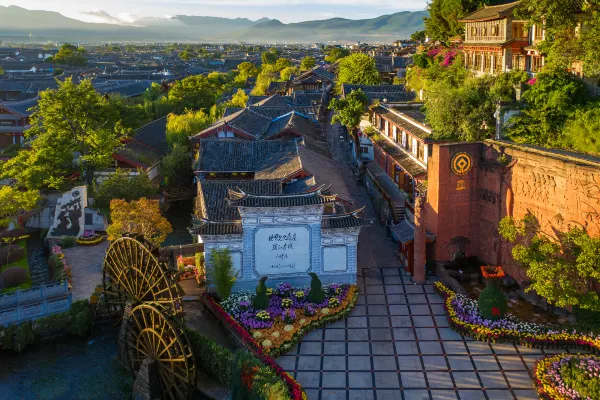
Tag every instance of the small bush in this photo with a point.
(261, 300)
(212, 358)
(18, 337)
(587, 320)
(316, 294)
(68, 241)
(492, 302)
(10, 254)
(14, 276)
(222, 273)
(81, 318)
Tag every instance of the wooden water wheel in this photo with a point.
(131, 273)
(153, 338)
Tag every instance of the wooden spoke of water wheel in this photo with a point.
(131, 272)
(153, 335)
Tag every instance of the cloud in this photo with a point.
(100, 16)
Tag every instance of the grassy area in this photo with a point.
(20, 263)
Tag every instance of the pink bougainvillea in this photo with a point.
(532, 81)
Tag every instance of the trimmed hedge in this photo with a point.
(214, 359)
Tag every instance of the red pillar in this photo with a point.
(420, 242)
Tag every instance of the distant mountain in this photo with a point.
(48, 25)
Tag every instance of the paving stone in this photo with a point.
(511, 363)
(358, 348)
(499, 394)
(398, 309)
(309, 363)
(529, 350)
(443, 394)
(287, 362)
(504, 348)
(439, 380)
(393, 280)
(455, 348)
(493, 380)
(449, 334)
(396, 299)
(413, 379)
(389, 395)
(428, 288)
(341, 324)
(518, 379)
(409, 363)
(360, 395)
(308, 379)
(357, 322)
(390, 271)
(311, 348)
(416, 299)
(312, 394)
(316, 335)
(486, 363)
(359, 363)
(361, 299)
(413, 289)
(358, 311)
(460, 363)
(357, 334)
(384, 363)
(434, 299)
(334, 348)
(375, 289)
(394, 289)
(435, 362)
(423, 321)
(386, 380)
(414, 394)
(381, 334)
(431, 348)
(382, 348)
(438, 309)
(335, 334)
(530, 360)
(374, 280)
(378, 309)
(334, 380)
(379, 322)
(466, 380)
(399, 321)
(403, 334)
(333, 395)
(426, 333)
(420, 309)
(526, 394)
(409, 348)
(479, 348)
(334, 363)
(376, 299)
(471, 394)
(441, 321)
(360, 379)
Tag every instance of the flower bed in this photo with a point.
(464, 317)
(568, 376)
(90, 238)
(295, 390)
(289, 315)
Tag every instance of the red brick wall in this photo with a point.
(561, 191)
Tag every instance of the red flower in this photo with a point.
(495, 311)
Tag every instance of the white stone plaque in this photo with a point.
(335, 258)
(282, 251)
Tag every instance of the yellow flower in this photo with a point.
(257, 335)
(288, 328)
(325, 310)
(267, 343)
(275, 334)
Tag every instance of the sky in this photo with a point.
(136, 11)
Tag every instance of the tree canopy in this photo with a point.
(336, 53)
(12, 201)
(560, 268)
(181, 127)
(270, 56)
(349, 110)
(307, 63)
(72, 131)
(141, 216)
(197, 92)
(358, 69)
(69, 55)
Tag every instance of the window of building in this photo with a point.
(365, 149)
(403, 139)
(409, 144)
(395, 133)
(426, 154)
(519, 31)
(484, 33)
(420, 152)
(415, 146)
(473, 31)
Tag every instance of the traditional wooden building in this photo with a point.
(495, 40)
(14, 121)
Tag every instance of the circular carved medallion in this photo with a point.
(461, 164)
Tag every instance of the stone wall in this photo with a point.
(561, 189)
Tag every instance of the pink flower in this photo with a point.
(532, 81)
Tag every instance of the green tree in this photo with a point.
(186, 55)
(582, 131)
(141, 216)
(71, 130)
(282, 63)
(358, 69)
(336, 53)
(239, 99)
(442, 22)
(349, 110)
(286, 73)
(550, 101)
(270, 56)
(221, 272)
(194, 93)
(418, 36)
(13, 200)
(122, 185)
(246, 70)
(69, 55)
(181, 127)
(1, 71)
(307, 63)
(176, 167)
(561, 265)
(261, 300)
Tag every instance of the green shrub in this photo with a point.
(492, 302)
(215, 360)
(13, 276)
(587, 320)
(120, 185)
(261, 300)
(221, 267)
(18, 337)
(68, 241)
(316, 294)
(81, 318)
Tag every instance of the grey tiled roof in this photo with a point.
(272, 159)
(204, 227)
(317, 72)
(402, 123)
(300, 186)
(308, 99)
(149, 144)
(349, 220)
(275, 100)
(275, 87)
(241, 198)
(490, 12)
(392, 93)
(403, 231)
(299, 123)
(412, 167)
